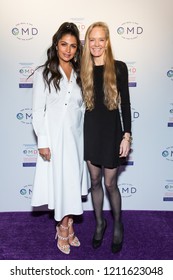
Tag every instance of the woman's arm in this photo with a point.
(38, 112)
(122, 79)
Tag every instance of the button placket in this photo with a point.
(68, 92)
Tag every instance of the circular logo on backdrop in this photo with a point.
(25, 116)
(168, 153)
(170, 73)
(26, 191)
(30, 151)
(15, 31)
(120, 30)
(24, 31)
(26, 71)
(127, 190)
(169, 187)
(130, 30)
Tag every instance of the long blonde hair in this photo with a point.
(109, 78)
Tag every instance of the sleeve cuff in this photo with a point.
(42, 142)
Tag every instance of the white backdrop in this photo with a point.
(141, 35)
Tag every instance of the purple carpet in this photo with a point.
(148, 235)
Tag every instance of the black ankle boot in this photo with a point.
(117, 246)
(96, 243)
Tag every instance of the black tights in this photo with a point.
(110, 182)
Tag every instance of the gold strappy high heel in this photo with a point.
(73, 240)
(63, 248)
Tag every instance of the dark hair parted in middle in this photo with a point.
(51, 71)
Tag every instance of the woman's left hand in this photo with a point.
(124, 148)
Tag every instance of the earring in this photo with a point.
(75, 58)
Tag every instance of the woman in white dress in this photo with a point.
(61, 176)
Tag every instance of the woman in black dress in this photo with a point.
(107, 126)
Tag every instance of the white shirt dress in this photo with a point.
(58, 123)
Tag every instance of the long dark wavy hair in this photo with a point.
(51, 73)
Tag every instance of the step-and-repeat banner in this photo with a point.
(141, 36)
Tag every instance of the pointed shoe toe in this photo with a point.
(96, 243)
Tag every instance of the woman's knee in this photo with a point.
(110, 185)
(95, 181)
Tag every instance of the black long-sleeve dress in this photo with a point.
(103, 129)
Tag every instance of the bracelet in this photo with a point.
(129, 139)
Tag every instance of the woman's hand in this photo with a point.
(125, 145)
(45, 153)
